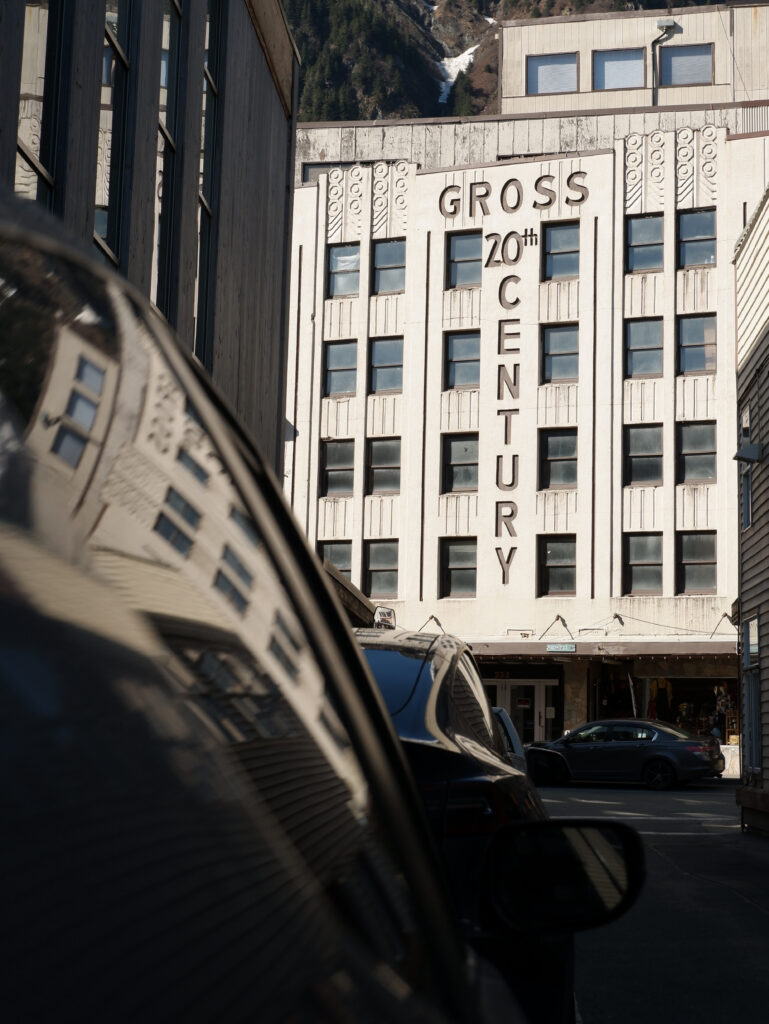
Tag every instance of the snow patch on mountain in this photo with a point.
(450, 67)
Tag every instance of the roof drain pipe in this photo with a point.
(667, 25)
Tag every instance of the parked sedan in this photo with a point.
(452, 739)
(635, 750)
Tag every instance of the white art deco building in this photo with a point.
(512, 362)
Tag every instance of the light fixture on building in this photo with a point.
(750, 453)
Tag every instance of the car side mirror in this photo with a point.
(565, 875)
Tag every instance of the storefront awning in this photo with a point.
(561, 649)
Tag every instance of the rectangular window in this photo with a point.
(696, 563)
(752, 734)
(561, 251)
(686, 65)
(389, 267)
(245, 524)
(643, 348)
(696, 452)
(557, 458)
(557, 563)
(463, 269)
(224, 584)
(750, 651)
(746, 495)
(339, 374)
(697, 238)
(463, 360)
(642, 563)
(551, 72)
(193, 466)
(337, 467)
(381, 568)
(643, 455)
(458, 558)
(697, 344)
(460, 462)
(644, 243)
(343, 270)
(208, 187)
(38, 102)
(183, 508)
(386, 372)
(90, 376)
(619, 69)
(175, 536)
(112, 129)
(339, 553)
(82, 410)
(560, 353)
(69, 446)
(384, 466)
(231, 559)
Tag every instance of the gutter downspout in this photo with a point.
(655, 83)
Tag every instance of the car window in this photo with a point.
(396, 673)
(591, 734)
(110, 466)
(636, 733)
(470, 708)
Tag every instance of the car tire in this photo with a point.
(659, 774)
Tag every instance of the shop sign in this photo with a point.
(561, 648)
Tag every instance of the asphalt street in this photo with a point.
(695, 947)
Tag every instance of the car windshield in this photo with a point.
(396, 674)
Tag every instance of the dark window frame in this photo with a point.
(681, 241)
(544, 461)
(371, 390)
(448, 362)
(331, 273)
(685, 46)
(547, 226)
(328, 370)
(386, 266)
(372, 466)
(446, 568)
(324, 547)
(656, 348)
(627, 565)
(447, 465)
(543, 566)
(630, 247)
(627, 457)
(370, 572)
(619, 49)
(545, 330)
(325, 469)
(563, 53)
(450, 263)
(680, 534)
(705, 345)
(681, 454)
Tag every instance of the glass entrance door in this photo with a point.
(531, 706)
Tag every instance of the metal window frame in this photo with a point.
(627, 564)
(446, 567)
(371, 442)
(627, 458)
(447, 463)
(680, 534)
(544, 461)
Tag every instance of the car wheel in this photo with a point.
(659, 774)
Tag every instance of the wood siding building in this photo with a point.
(162, 135)
(752, 274)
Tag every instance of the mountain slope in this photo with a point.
(369, 59)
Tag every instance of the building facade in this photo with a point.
(751, 270)
(162, 135)
(511, 364)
